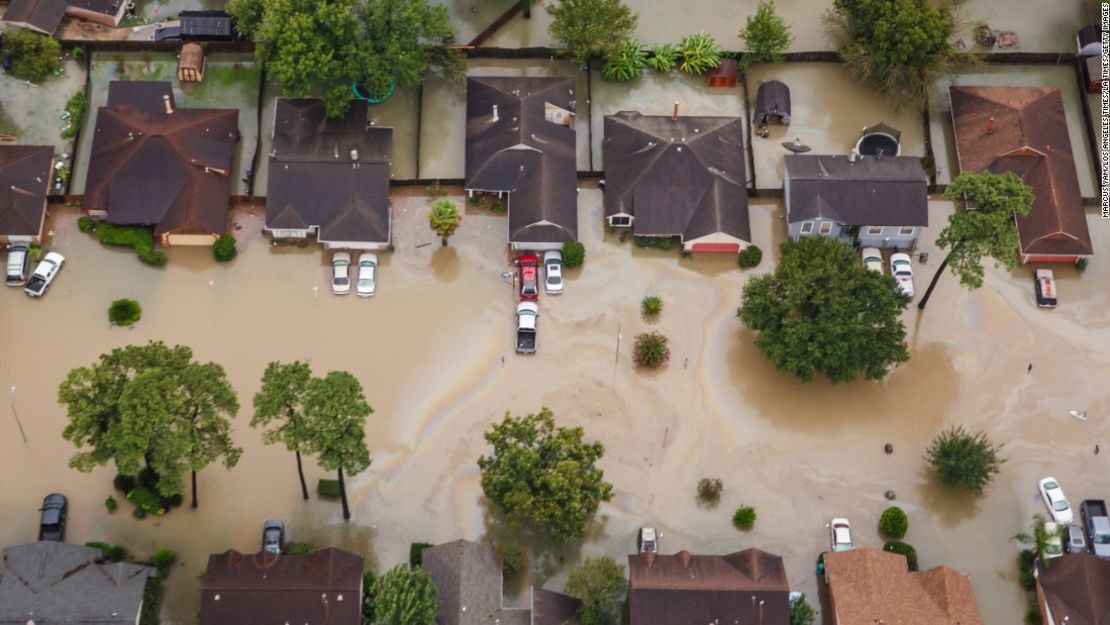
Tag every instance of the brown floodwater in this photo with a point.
(429, 348)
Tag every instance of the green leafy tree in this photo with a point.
(766, 36)
(586, 29)
(544, 474)
(279, 405)
(1039, 538)
(899, 47)
(444, 218)
(34, 56)
(404, 596)
(986, 230)
(600, 585)
(964, 460)
(207, 403)
(801, 613)
(821, 312)
(335, 411)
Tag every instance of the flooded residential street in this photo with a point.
(433, 350)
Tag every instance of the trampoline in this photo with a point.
(357, 89)
(880, 140)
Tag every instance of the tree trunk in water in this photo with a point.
(443, 241)
(194, 489)
(933, 283)
(343, 496)
(300, 472)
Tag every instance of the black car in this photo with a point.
(52, 523)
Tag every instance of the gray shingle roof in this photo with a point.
(887, 191)
(63, 584)
(25, 176)
(684, 177)
(468, 581)
(523, 153)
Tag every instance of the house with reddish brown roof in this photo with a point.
(747, 587)
(323, 588)
(153, 164)
(1074, 589)
(1024, 130)
(25, 174)
(868, 586)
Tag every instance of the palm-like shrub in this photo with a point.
(651, 306)
(444, 218)
(651, 350)
(700, 53)
(664, 57)
(626, 62)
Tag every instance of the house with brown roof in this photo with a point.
(323, 588)
(468, 577)
(153, 164)
(329, 177)
(671, 176)
(46, 15)
(1024, 130)
(1074, 589)
(868, 586)
(877, 201)
(25, 175)
(747, 587)
(520, 145)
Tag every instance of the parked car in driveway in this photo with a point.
(872, 259)
(1055, 500)
(341, 273)
(1044, 283)
(527, 323)
(273, 536)
(529, 277)
(1098, 526)
(553, 272)
(367, 275)
(840, 535)
(1076, 538)
(1054, 547)
(902, 269)
(52, 521)
(647, 540)
(44, 274)
(16, 274)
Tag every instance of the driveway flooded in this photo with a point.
(434, 352)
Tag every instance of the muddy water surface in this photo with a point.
(429, 347)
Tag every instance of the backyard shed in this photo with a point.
(772, 103)
(724, 75)
(190, 65)
(1088, 41)
(206, 25)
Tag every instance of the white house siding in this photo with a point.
(716, 237)
(355, 245)
(794, 230)
(889, 237)
(189, 239)
(525, 246)
(279, 233)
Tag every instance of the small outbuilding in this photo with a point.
(724, 75)
(879, 140)
(1088, 41)
(207, 25)
(190, 64)
(772, 104)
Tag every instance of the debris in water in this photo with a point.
(889, 494)
(888, 448)
(423, 245)
(1079, 414)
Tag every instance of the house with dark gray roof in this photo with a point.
(55, 582)
(877, 201)
(520, 145)
(46, 16)
(747, 587)
(329, 177)
(679, 177)
(25, 176)
(322, 588)
(469, 585)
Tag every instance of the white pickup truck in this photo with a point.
(44, 274)
(527, 318)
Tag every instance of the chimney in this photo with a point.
(674, 112)
(649, 558)
(215, 170)
(683, 558)
(495, 115)
(990, 125)
(168, 102)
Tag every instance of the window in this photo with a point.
(620, 220)
(906, 230)
(825, 228)
(807, 227)
(874, 229)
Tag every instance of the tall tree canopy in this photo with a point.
(279, 404)
(964, 459)
(821, 311)
(600, 585)
(405, 596)
(898, 47)
(322, 47)
(544, 474)
(766, 36)
(150, 405)
(335, 411)
(586, 29)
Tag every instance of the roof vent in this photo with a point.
(495, 116)
(354, 154)
(216, 597)
(649, 558)
(168, 103)
(853, 157)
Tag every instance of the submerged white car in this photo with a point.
(840, 535)
(553, 272)
(341, 273)
(367, 275)
(1055, 500)
(1054, 548)
(902, 270)
(872, 259)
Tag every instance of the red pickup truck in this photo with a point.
(529, 277)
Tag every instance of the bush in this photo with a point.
(124, 312)
(663, 57)
(744, 517)
(1027, 580)
(103, 547)
(75, 108)
(163, 559)
(899, 547)
(700, 53)
(709, 491)
(84, 224)
(750, 257)
(1026, 559)
(651, 350)
(144, 499)
(123, 483)
(300, 549)
(1033, 616)
(626, 62)
(416, 550)
(651, 306)
(116, 553)
(659, 243)
(151, 256)
(34, 56)
(224, 248)
(126, 236)
(964, 460)
(1081, 264)
(574, 254)
(36, 253)
(435, 190)
(152, 600)
(111, 504)
(801, 613)
(514, 559)
(766, 36)
(328, 488)
(894, 523)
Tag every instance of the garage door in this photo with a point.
(731, 248)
